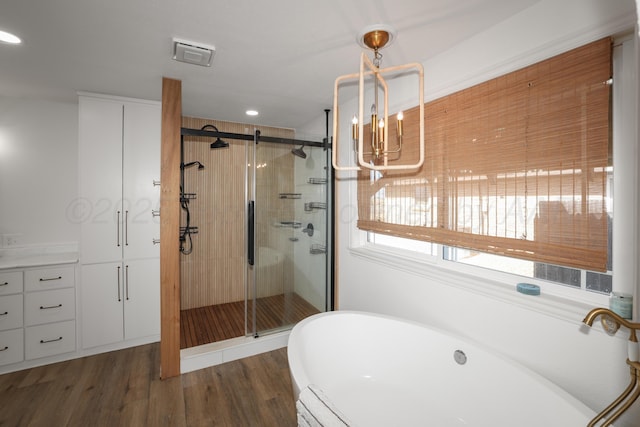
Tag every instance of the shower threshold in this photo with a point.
(204, 356)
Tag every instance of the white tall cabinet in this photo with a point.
(118, 208)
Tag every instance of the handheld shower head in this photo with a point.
(299, 152)
(186, 165)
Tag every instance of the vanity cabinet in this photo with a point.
(37, 313)
(11, 318)
(118, 210)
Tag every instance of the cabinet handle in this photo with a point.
(126, 281)
(126, 228)
(156, 183)
(118, 229)
(47, 307)
(155, 212)
(53, 340)
(119, 299)
(47, 279)
(5, 348)
(156, 241)
(4, 314)
(4, 284)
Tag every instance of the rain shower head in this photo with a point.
(218, 143)
(299, 152)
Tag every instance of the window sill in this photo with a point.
(484, 282)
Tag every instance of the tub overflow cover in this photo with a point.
(460, 357)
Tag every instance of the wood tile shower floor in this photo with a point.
(215, 323)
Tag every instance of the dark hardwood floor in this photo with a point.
(122, 388)
(215, 323)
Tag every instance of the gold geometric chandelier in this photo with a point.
(373, 85)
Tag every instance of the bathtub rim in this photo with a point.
(299, 379)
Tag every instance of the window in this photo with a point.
(519, 166)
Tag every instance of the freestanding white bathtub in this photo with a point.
(383, 371)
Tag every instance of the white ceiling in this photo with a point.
(280, 57)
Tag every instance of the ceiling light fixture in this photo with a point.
(380, 146)
(251, 113)
(9, 38)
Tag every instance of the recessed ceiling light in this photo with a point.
(9, 38)
(251, 113)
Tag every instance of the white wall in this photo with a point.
(38, 170)
(587, 363)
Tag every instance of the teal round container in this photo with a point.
(621, 304)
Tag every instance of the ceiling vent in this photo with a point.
(191, 53)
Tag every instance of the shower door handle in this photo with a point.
(250, 232)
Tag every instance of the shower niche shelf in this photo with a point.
(317, 180)
(289, 224)
(290, 195)
(310, 206)
(188, 230)
(187, 196)
(316, 249)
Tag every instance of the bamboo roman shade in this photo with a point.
(517, 166)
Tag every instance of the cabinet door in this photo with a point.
(11, 346)
(101, 294)
(98, 209)
(141, 150)
(142, 298)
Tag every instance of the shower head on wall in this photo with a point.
(186, 165)
(218, 143)
(299, 152)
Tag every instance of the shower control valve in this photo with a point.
(308, 230)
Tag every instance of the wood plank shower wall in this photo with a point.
(215, 270)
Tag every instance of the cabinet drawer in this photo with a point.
(11, 283)
(50, 339)
(11, 346)
(49, 306)
(43, 279)
(10, 312)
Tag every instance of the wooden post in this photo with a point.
(170, 229)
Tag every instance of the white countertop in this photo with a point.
(34, 257)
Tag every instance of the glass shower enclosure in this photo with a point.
(287, 232)
(255, 231)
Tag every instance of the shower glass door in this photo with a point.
(287, 242)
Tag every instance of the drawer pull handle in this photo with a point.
(156, 241)
(156, 183)
(5, 348)
(4, 314)
(4, 284)
(47, 279)
(47, 307)
(53, 340)
(155, 213)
